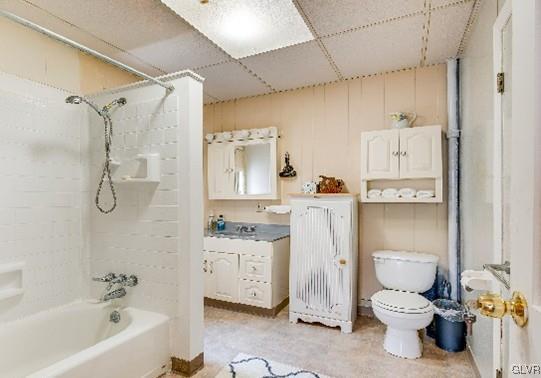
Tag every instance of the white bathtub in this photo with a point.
(79, 341)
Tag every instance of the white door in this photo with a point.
(220, 171)
(321, 266)
(524, 205)
(380, 158)
(420, 152)
(224, 270)
(517, 183)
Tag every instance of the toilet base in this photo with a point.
(403, 343)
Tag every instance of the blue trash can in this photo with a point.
(450, 326)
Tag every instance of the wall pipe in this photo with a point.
(85, 49)
(453, 137)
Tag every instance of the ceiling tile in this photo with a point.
(245, 27)
(329, 17)
(440, 3)
(230, 80)
(156, 34)
(379, 48)
(292, 67)
(447, 27)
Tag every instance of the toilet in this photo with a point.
(399, 306)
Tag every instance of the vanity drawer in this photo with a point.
(255, 268)
(255, 293)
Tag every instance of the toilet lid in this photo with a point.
(402, 301)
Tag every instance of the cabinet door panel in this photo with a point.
(219, 170)
(420, 152)
(224, 267)
(379, 151)
(210, 283)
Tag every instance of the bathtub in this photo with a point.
(78, 341)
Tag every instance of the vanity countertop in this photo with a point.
(263, 232)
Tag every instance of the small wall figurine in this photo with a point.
(329, 185)
(288, 170)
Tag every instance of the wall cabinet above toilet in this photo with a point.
(401, 154)
(412, 155)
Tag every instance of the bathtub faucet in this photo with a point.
(115, 294)
(120, 281)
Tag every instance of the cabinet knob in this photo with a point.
(342, 261)
(403, 153)
(396, 153)
(254, 268)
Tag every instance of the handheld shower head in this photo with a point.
(74, 100)
(118, 102)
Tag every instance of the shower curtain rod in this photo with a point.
(85, 49)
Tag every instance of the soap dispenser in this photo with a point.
(220, 223)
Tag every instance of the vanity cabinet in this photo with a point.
(247, 272)
(221, 271)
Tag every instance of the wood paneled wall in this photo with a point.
(321, 128)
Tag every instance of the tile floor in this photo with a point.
(320, 349)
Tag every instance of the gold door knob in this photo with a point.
(342, 261)
(494, 306)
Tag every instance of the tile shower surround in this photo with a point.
(40, 195)
(141, 236)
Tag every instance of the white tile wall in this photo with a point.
(156, 232)
(141, 236)
(40, 194)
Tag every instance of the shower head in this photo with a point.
(121, 101)
(74, 100)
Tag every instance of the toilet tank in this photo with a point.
(408, 271)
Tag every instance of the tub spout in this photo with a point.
(115, 294)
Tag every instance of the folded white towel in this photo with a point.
(374, 193)
(390, 193)
(407, 193)
(278, 209)
(425, 194)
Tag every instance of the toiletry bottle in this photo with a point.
(220, 223)
(211, 223)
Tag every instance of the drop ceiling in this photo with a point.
(309, 42)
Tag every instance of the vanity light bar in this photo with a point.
(245, 134)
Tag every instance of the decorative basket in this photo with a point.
(330, 185)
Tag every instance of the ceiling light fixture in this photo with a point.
(245, 27)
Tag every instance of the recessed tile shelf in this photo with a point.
(143, 169)
(11, 280)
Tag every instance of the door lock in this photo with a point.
(494, 306)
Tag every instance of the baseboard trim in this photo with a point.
(364, 308)
(187, 368)
(472, 362)
(267, 312)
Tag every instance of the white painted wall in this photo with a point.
(155, 233)
(40, 194)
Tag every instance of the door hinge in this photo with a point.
(500, 82)
(499, 373)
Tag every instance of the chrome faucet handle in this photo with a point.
(132, 280)
(106, 278)
(120, 279)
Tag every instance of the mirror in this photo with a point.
(252, 169)
(242, 169)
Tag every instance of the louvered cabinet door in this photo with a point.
(321, 273)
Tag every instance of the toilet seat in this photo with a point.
(401, 302)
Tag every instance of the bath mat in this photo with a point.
(246, 366)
